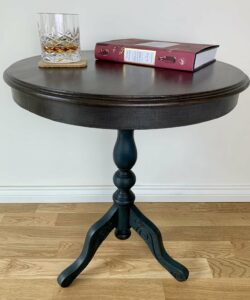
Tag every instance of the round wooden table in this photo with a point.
(125, 97)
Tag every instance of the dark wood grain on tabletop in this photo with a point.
(122, 96)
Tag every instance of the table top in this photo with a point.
(122, 96)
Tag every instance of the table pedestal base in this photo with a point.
(123, 215)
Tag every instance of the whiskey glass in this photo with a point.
(59, 37)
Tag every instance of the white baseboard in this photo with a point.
(144, 193)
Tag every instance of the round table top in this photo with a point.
(122, 96)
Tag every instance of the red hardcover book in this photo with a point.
(170, 55)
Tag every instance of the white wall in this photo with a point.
(39, 152)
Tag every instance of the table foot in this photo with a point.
(152, 236)
(95, 236)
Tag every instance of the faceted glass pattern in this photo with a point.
(60, 37)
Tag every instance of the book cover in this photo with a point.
(162, 54)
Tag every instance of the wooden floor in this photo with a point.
(37, 241)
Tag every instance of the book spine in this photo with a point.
(161, 58)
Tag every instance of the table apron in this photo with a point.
(117, 117)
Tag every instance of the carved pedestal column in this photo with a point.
(124, 155)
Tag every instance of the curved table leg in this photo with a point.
(95, 236)
(152, 236)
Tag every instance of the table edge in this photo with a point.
(128, 100)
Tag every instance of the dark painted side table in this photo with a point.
(125, 97)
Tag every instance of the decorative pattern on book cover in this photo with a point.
(162, 54)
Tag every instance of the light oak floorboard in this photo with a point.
(18, 208)
(28, 219)
(29, 249)
(137, 249)
(230, 268)
(112, 289)
(73, 207)
(165, 219)
(27, 289)
(112, 267)
(191, 207)
(40, 234)
(205, 233)
(202, 219)
(77, 219)
(207, 289)
(195, 207)
(241, 248)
